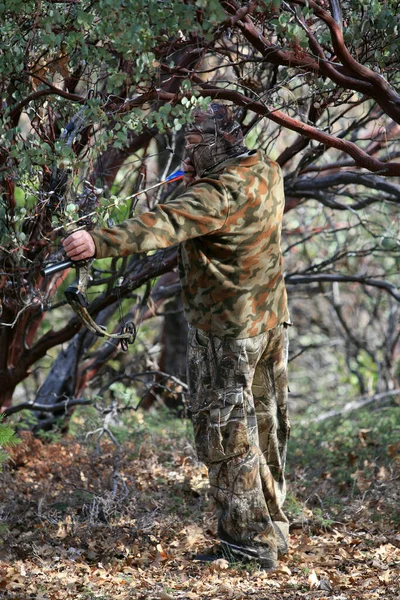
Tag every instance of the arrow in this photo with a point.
(173, 177)
(60, 266)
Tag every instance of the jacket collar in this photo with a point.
(247, 159)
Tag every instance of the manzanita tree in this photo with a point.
(95, 94)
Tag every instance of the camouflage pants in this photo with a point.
(238, 401)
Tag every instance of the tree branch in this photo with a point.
(349, 75)
(51, 90)
(336, 11)
(351, 406)
(294, 278)
(59, 406)
(346, 178)
(382, 92)
(143, 270)
(361, 158)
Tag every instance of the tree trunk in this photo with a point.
(59, 384)
(173, 357)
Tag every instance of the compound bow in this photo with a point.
(76, 292)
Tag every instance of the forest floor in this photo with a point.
(87, 519)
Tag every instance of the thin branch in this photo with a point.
(355, 405)
(293, 278)
(343, 53)
(64, 405)
(346, 178)
(51, 90)
(135, 376)
(350, 74)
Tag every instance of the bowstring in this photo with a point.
(144, 303)
(117, 281)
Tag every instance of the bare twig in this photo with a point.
(59, 406)
(331, 277)
(355, 405)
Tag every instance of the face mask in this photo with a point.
(213, 150)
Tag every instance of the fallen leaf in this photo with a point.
(386, 577)
(369, 582)
(227, 590)
(352, 458)
(393, 449)
(324, 584)
(166, 596)
(383, 474)
(163, 555)
(363, 483)
(313, 580)
(283, 569)
(365, 438)
(194, 536)
(270, 582)
(386, 551)
(219, 565)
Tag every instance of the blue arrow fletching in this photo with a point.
(176, 175)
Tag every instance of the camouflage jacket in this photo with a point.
(228, 225)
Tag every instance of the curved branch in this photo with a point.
(349, 75)
(334, 71)
(322, 190)
(354, 405)
(346, 178)
(292, 200)
(294, 278)
(143, 270)
(318, 64)
(271, 52)
(382, 92)
(392, 130)
(109, 163)
(50, 91)
(64, 405)
(301, 142)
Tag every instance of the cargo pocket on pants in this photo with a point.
(227, 425)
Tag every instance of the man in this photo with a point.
(228, 225)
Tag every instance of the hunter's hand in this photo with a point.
(190, 173)
(79, 245)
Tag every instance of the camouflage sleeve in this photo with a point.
(201, 209)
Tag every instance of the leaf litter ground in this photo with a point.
(112, 523)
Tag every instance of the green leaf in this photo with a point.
(19, 196)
